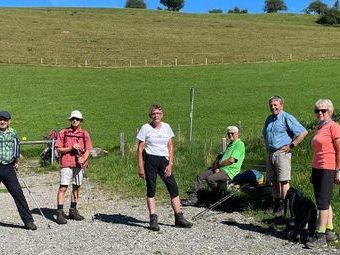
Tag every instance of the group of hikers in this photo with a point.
(282, 132)
(74, 145)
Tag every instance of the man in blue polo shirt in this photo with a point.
(281, 132)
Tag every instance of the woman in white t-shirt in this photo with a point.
(156, 157)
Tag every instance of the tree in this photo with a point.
(274, 6)
(215, 11)
(336, 4)
(173, 5)
(330, 17)
(237, 10)
(135, 4)
(317, 7)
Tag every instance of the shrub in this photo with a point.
(135, 4)
(330, 17)
(215, 11)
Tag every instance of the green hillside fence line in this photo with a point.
(153, 62)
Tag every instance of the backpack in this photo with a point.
(303, 216)
(252, 177)
(46, 154)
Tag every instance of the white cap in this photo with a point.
(232, 129)
(76, 114)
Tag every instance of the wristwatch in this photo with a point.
(292, 145)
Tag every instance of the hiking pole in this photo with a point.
(90, 195)
(35, 201)
(222, 200)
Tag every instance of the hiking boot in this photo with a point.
(73, 214)
(153, 222)
(331, 236)
(181, 222)
(30, 226)
(191, 201)
(319, 241)
(61, 217)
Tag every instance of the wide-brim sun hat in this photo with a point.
(76, 114)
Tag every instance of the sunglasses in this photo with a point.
(320, 110)
(72, 119)
(230, 133)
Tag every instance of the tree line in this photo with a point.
(328, 15)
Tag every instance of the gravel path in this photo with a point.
(122, 228)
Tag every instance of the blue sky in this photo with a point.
(193, 6)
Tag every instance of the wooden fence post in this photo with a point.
(192, 96)
(223, 143)
(122, 143)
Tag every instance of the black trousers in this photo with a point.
(10, 180)
(156, 165)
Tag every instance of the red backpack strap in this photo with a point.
(71, 134)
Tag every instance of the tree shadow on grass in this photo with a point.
(124, 220)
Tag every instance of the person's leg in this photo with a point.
(172, 188)
(151, 204)
(65, 180)
(214, 179)
(11, 182)
(77, 181)
(61, 196)
(282, 169)
(322, 181)
(283, 189)
(150, 165)
(201, 179)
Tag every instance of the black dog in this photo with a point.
(303, 216)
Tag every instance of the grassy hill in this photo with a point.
(113, 37)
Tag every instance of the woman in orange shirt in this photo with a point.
(325, 170)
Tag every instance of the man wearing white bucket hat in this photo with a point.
(75, 146)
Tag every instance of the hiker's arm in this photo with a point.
(295, 142)
(84, 157)
(337, 148)
(227, 162)
(168, 169)
(64, 150)
(141, 171)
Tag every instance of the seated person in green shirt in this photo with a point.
(223, 169)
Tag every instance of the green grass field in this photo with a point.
(115, 100)
(113, 37)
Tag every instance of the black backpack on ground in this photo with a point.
(303, 216)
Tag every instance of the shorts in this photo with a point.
(323, 182)
(73, 176)
(278, 166)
